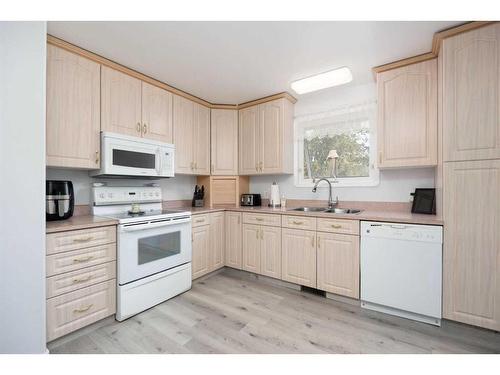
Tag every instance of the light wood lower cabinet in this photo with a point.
(338, 264)
(71, 311)
(233, 256)
(208, 243)
(81, 278)
(299, 257)
(262, 250)
(201, 250)
(471, 255)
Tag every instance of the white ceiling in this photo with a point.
(234, 62)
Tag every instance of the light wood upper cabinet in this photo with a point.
(251, 248)
(201, 150)
(471, 85)
(266, 138)
(407, 116)
(471, 256)
(201, 251)
(299, 257)
(191, 123)
(73, 110)
(156, 113)
(338, 264)
(121, 107)
(270, 251)
(224, 142)
(233, 255)
(217, 240)
(248, 140)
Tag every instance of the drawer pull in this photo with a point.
(83, 309)
(84, 259)
(336, 226)
(82, 280)
(83, 239)
(199, 221)
(259, 219)
(298, 222)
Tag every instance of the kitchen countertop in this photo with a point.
(79, 222)
(370, 215)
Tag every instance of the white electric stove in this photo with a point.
(154, 246)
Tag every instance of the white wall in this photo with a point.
(394, 186)
(179, 187)
(22, 187)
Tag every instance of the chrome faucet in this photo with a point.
(331, 203)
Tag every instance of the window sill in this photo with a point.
(368, 182)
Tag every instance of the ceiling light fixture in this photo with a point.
(322, 81)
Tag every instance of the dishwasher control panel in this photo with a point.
(411, 232)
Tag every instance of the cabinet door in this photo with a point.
(251, 248)
(298, 257)
(183, 135)
(407, 116)
(201, 251)
(73, 110)
(338, 264)
(271, 136)
(471, 83)
(270, 251)
(248, 136)
(201, 140)
(156, 113)
(217, 240)
(471, 267)
(224, 129)
(120, 103)
(233, 240)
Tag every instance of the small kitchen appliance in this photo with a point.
(424, 201)
(153, 246)
(59, 200)
(251, 200)
(123, 155)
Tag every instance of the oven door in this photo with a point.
(151, 247)
(122, 156)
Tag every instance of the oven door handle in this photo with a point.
(152, 225)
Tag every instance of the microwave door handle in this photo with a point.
(134, 228)
(158, 153)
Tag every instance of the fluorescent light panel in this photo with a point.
(321, 81)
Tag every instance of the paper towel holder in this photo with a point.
(276, 201)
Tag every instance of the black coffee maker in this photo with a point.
(60, 200)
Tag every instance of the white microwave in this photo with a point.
(123, 155)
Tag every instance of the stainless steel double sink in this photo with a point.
(327, 210)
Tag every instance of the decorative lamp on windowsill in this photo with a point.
(332, 163)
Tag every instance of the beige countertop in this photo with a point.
(78, 222)
(370, 215)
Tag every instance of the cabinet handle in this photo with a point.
(97, 157)
(138, 127)
(84, 259)
(259, 219)
(312, 242)
(83, 239)
(238, 219)
(144, 129)
(336, 226)
(83, 309)
(82, 280)
(261, 234)
(260, 166)
(199, 221)
(298, 222)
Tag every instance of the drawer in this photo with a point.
(78, 259)
(298, 222)
(71, 311)
(262, 219)
(338, 226)
(70, 281)
(199, 220)
(79, 239)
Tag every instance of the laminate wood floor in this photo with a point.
(236, 312)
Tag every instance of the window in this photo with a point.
(349, 131)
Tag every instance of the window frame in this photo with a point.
(302, 122)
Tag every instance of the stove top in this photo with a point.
(126, 217)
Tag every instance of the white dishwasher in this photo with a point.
(401, 270)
